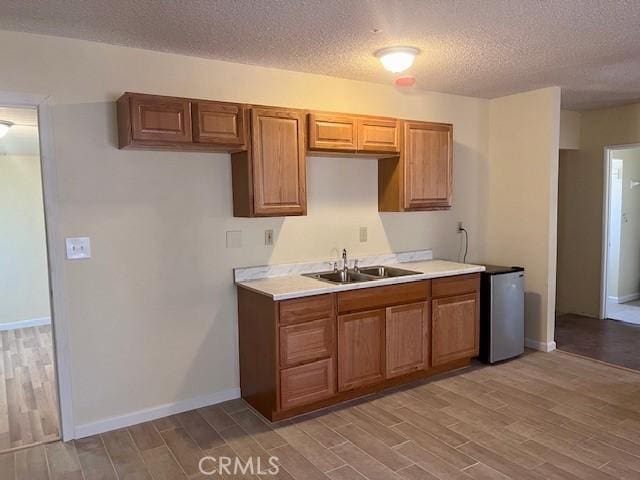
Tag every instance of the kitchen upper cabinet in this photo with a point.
(408, 343)
(421, 178)
(361, 349)
(269, 179)
(153, 120)
(378, 135)
(455, 327)
(329, 132)
(219, 123)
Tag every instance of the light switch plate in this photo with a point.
(363, 234)
(234, 239)
(268, 238)
(78, 248)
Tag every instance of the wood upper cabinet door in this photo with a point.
(407, 339)
(361, 349)
(428, 163)
(160, 119)
(219, 123)
(455, 328)
(378, 135)
(279, 173)
(332, 132)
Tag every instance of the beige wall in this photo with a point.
(569, 130)
(153, 313)
(521, 217)
(579, 275)
(24, 287)
(570, 285)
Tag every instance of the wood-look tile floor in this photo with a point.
(28, 394)
(542, 416)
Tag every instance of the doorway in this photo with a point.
(29, 405)
(621, 258)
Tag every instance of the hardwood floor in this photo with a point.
(28, 399)
(610, 341)
(542, 416)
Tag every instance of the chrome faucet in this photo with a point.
(345, 263)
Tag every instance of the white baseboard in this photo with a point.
(541, 346)
(114, 423)
(31, 322)
(629, 298)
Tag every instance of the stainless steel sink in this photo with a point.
(386, 272)
(365, 274)
(341, 276)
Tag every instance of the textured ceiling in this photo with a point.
(485, 48)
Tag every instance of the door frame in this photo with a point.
(55, 254)
(606, 210)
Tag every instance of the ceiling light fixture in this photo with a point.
(4, 127)
(397, 59)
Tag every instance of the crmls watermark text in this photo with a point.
(210, 465)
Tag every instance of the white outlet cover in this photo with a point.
(78, 248)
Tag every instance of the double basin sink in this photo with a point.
(364, 274)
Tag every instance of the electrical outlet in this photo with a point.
(268, 238)
(78, 248)
(459, 229)
(363, 234)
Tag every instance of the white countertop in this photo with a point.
(296, 286)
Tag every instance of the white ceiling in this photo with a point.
(485, 48)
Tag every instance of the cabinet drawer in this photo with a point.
(160, 119)
(332, 132)
(458, 285)
(218, 123)
(376, 297)
(306, 309)
(307, 383)
(378, 135)
(304, 342)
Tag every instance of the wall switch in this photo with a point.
(78, 248)
(268, 238)
(363, 234)
(459, 229)
(234, 239)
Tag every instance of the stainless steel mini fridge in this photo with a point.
(501, 313)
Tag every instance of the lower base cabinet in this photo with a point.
(361, 349)
(455, 328)
(408, 343)
(303, 354)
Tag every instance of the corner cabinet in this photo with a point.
(421, 178)
(307, 353)
(269, 178)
